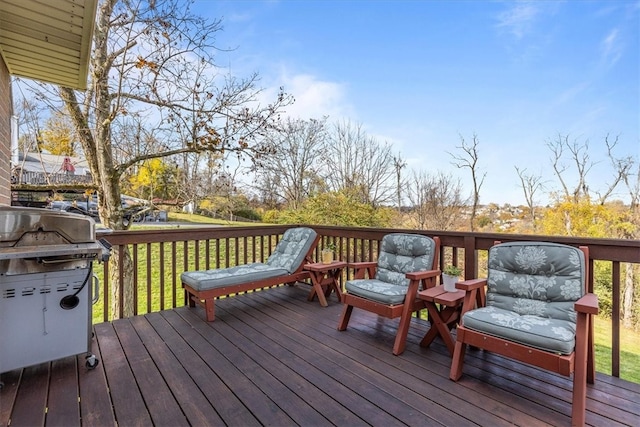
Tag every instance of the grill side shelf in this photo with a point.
(73, 251)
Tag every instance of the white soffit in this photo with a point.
(48, 40)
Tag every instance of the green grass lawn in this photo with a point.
(199, 219)
(629, 350)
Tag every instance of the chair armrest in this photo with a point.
(467, 285)
(362, 264)
(419, 275)
(588, 303)
(474, 294)
(359, 269)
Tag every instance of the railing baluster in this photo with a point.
(149, 290)
(207, 254)
(161, 261)
(134, 257)
(105, 291)
(615, 319)
(174, 275)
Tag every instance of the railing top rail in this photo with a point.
(622, 250)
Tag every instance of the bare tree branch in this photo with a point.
(469, 159)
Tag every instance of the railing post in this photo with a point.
(470, 258)
(615, 319)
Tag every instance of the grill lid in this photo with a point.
(38, 240)
(72, 228)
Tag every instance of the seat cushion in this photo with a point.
(217, 278)
(554, 335)
(292, 249)
(377, 290)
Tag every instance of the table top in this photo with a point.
(319, 266)
(439, 295)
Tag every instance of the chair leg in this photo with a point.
(403, 330)
(344, 319)
(458, 358)
(210, 309)
(591, 364)
(580, 372)
(190, 299)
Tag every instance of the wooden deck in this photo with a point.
(272, 358)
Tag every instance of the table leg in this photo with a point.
(335, 284)
(440, 321)
(316, 281)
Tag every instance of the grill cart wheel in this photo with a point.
(92, 361)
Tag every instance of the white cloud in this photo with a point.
(610, 47)
(518, 19)
(315, 98)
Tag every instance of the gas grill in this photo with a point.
(47, 285)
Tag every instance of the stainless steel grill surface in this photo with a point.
(46, 285)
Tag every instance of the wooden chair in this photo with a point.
(284, 265)
(406, 264)
(537, 311)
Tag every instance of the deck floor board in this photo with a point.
(274, 358)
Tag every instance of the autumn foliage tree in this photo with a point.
(59, 136)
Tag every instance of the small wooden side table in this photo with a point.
(325, 279)
(444, 312)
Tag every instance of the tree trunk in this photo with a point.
(122, 295)
(627, 300)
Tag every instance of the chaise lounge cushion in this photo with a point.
(286, 259)
(221, 277)
(399, 254)
(292, 248)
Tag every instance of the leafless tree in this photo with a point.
(399, 164)
(578, 154)
(631, 180)
(469, 160)
(155, 58)
(621, 169)
(360, 165)
(531, 184)
(436, 201)
(295, 162)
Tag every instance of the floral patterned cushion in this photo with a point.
(292, 248)
(377, 290)
(399, 254)
(531, 291)
(287, 256)
(218, 278)
(555, 335)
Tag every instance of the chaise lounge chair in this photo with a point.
(284, 265)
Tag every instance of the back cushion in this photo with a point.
(291, 250)
(536, 278)
(404, 253)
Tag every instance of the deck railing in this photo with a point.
(160, 256)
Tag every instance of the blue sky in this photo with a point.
(419, 74)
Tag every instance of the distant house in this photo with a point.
(35, 177)
(44, 169)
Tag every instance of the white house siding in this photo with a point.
(5, 133)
